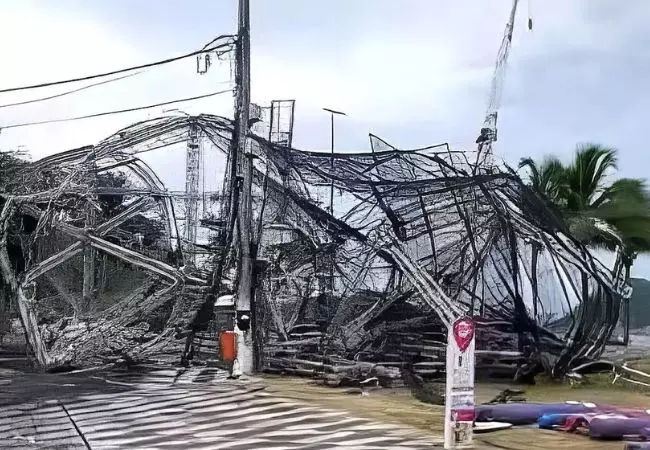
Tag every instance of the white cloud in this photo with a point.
(421, 65)
(51, 45)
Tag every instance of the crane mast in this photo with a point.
(488, 135)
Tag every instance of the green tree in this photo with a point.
(603, 214)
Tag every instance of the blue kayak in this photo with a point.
(553, 420)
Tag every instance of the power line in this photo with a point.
(42, 99)
(108, 113)
(213, 41)
(128, 69)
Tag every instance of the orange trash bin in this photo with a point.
(228, 345)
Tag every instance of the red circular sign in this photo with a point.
(463, 330)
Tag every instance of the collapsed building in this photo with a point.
(362, 259)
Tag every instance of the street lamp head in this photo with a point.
(340, 113)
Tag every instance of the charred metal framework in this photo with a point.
(418, 237)
(192, 180)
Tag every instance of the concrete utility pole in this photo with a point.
(243, 328)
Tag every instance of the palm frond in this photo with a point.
(586, 175)
(594, 232)
(533, 171)
(545, 178)
(598, 214)
(632, 190)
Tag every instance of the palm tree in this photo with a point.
(615, 216)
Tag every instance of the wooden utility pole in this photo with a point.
(244, 211)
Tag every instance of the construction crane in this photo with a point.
(488, 134)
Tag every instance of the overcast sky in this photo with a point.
(415, 72)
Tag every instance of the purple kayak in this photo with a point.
(617, 427)
(527, 413)
(637, 446)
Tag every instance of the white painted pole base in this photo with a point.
(459, 399)
(243, 364)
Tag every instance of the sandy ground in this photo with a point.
(397, 406)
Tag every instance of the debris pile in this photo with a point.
(415, 238)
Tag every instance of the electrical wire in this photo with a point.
(42, 99)
(108, 113)
(215, 40)
(128, 69)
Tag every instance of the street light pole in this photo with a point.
(332, 112)
(331, 208)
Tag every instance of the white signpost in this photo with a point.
(459, 401)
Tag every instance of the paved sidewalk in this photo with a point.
(165, 409)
